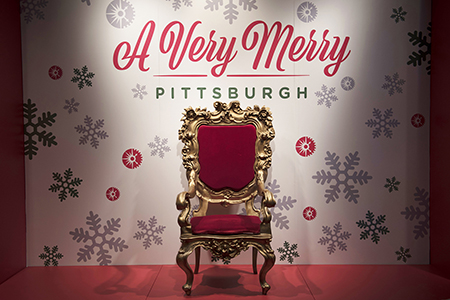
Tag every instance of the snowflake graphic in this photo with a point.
(88, 2)
(415, 58)
(83, 77)
(382, 123)
(230, 11)
(159, 147)
(393, 84)
(307, 12)
(403, 254)
(32, 7)
(392, 184)
(98, 240)
(71, 105)
(50, 256)
(55, 72)
(347, 83)
(91, 132)
(177, 4)
(334, 238)
(326, 96)
(285, 203)
(372, 227)
(149, 233)
(305, 146)
(288, 252)
(139, 91)
(112, 194)
(32, 129)
(66, 184)
(411, 213)
(309, 213)
(398, 14)
(417, 120)
(120, 13)
(132, 158)
(342, 177)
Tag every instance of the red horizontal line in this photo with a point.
(265, 75)
(181, 75)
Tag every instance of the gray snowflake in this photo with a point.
(83, 77)
(176, 5)
(120, 13)
(91, 132)
(382, 123)
(326, 96)
(139, 91)
(372, 227)
(88, 2)
(230, 11)
(347, 83)
(398, 14)
(36, 128)
(98, 239)
(66, 184)
(32, 7)
(411, 213)
(307, 12)
(149, 233)
(416, 58)
(71, 105)
(50, 256)
(288, 252)
(403, 254)
(159, 147)
(393, 84)
(342, 177)
(285, 203)
(334, 238)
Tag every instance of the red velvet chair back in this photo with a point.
(227, 156)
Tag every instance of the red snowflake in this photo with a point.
(417, 120)
(305, 146)
(55, 72)
(112, 194)
(309, 213)
(132, 158)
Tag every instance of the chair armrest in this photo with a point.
(267, 198)
(183, 202)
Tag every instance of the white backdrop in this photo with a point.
(363, 130)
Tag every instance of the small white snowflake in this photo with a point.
(326, 96)
(159, 147)
(230, 11)
(149, 233)
(71, 105)
(334, 238)
(139, 91)
(393, 84)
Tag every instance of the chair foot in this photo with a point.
(265, 288)
(187, 289)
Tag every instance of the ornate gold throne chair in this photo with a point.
(226, 155)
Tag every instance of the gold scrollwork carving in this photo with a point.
(225, 249)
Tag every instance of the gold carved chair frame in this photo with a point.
(223, 246)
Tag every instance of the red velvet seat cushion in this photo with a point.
(226, 156)
(225, 224)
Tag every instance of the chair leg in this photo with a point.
(255, 260)
(184, 265)
(197, 259)
(269, 261)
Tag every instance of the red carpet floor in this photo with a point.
(227, 282)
